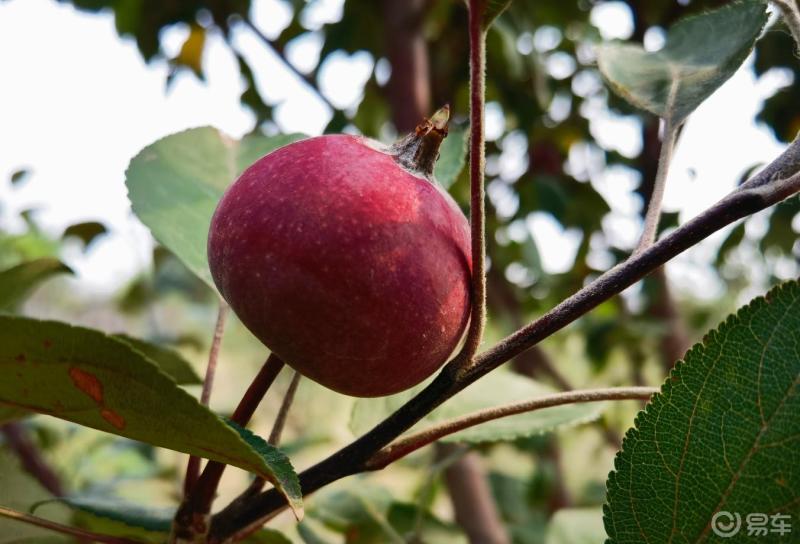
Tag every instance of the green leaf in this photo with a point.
(266, 536)
(155, 520)
(723, 435)
(452, 157)
(498, 388)
(18, 281)
(700, 54)
(576, 526)
(367, 514)
(287, 479)
(174, 186)
(92, 379)
(168, 360)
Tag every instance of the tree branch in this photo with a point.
(477, 69)
(776, 182)
(31, 458)
(283, 412)
(473, 503)
(64, 529)
(191, 519)
(193, 466)
(413, 442)
(305, 78)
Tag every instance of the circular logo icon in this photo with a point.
(725, 525)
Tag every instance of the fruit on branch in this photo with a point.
(346, 259)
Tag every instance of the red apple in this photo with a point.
(352, 268)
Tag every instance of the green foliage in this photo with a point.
(576, 526)
(479, 396)
(154, 523)
(18, 281)
(112, 516)
(168, 360)
(284, 476)
(367, 514)
(87, 377)
(701, 53)
(452, 157)
(144, 19)
(721, 435)
(175, 184)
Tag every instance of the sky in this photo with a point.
(77, 103)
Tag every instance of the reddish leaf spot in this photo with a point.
(114, 418)
(20, 358)
(47, 344)
(88, 383)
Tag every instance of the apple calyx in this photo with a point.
(418, 151)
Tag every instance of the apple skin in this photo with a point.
(353, 270)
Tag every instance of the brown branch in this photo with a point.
(473, 503)
(408, 89)
(64, 529)
(193, 466)
(775, 183)
(415, 441)
(191, 519)
(31, 458)
(477, 159)
(283, 412)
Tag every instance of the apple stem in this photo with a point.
(418, 151)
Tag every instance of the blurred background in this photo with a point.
(86, 84)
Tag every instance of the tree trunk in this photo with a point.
(472, 500)
(408, 89)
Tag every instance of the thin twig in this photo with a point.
(653, 214)
(773, 184)
(31, 458)
(22, 517)
(477, 69)
(193, 466)
(791, 16)
(192, 516)
(415, 441)
(283, 412)
(274, 436)
(305, 78)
